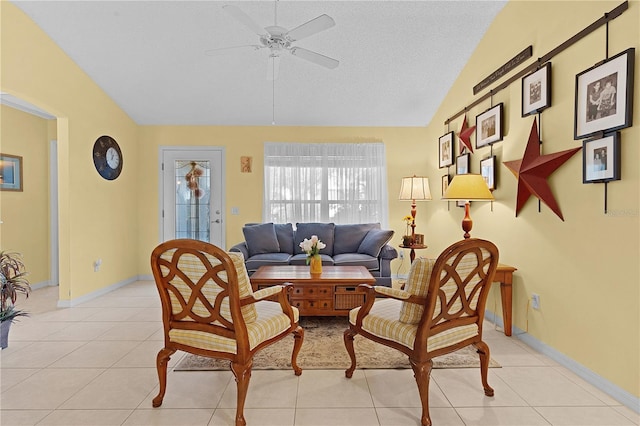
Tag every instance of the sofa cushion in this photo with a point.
(347, 238)
(301, 259)
(324, 231)
(284, 232)
(374, 241)
(261, 239)
(267, 259)
(357, 259)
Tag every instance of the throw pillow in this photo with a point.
(417, 284)
(374, 241)
(284, 232)
(347, 238)
(324, 231)
(261, 239)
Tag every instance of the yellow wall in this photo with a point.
(585, 269)
(25, 215)
(98, 218)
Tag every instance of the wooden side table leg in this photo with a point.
(412, 255)
(506, 295)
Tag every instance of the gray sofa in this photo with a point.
(347, 245)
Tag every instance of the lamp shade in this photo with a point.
(414, 188)
(468, 187)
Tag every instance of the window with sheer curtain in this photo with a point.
(325, 182)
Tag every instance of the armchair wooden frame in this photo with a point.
(444, 310)
(201, 299)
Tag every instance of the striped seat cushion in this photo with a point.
(270, 322)
(383, 322)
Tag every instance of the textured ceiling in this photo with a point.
(397, 59)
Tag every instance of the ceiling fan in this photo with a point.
(278, 39)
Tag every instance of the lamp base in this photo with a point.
(467, 223)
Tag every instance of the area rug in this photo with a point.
(323, 349)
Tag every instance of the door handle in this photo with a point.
(216, 221)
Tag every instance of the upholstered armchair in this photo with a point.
(440, 311)
(209, 309)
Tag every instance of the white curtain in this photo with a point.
(325, 182)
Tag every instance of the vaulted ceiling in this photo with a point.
(397, 59)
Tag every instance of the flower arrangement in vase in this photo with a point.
(407, 238)
(312, 247)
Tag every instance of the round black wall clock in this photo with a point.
(107, 157)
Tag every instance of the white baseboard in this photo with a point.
(101, 292)
(41, 284)
(622, 396)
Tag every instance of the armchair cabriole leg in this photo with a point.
(298, 339)
(349, 334)
(483, 351)
(422, 374)
(161, 364)
(242, 373)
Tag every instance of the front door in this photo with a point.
(192, 196)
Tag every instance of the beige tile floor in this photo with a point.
(94, 364)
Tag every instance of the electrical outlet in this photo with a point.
(401, 254)
(535, 301)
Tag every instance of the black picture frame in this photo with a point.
(462, 168)
(462, 164)
(536, 90)
(489, 126)
(444, 183)
(488, 171)
(601, 159)
(10, 172)
(604, 96)
(445, 150)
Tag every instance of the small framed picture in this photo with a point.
(536, 90)
(445, 184)
(489, 126)
(245, 164)
(446, 150)
(10, 172)
(488, 171)
(601, 159)
(604, 96)
(462, 164)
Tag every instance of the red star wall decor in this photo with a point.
(534, 169)
(465, 135)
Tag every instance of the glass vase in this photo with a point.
(315, 265)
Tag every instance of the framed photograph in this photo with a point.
(462, 164)
(488, 171)
(445, 152)
(536, 90)
(445, 183)
(601, 159)
(462, 168)
(604, 96)
(10, 172)
(489, 126)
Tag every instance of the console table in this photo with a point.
(332, 293)
(504, 276)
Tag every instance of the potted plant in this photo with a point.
(13, 281)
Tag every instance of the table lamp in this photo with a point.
(468, 187)
(414, 188)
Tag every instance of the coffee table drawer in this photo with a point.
(347, 298)
(312, 290)
(312, 305)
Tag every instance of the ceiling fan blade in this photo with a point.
(273, 67)
(314, 57)
(244, 19)
(223, 50)
(321, 23)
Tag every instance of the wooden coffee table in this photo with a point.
(333, 293)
